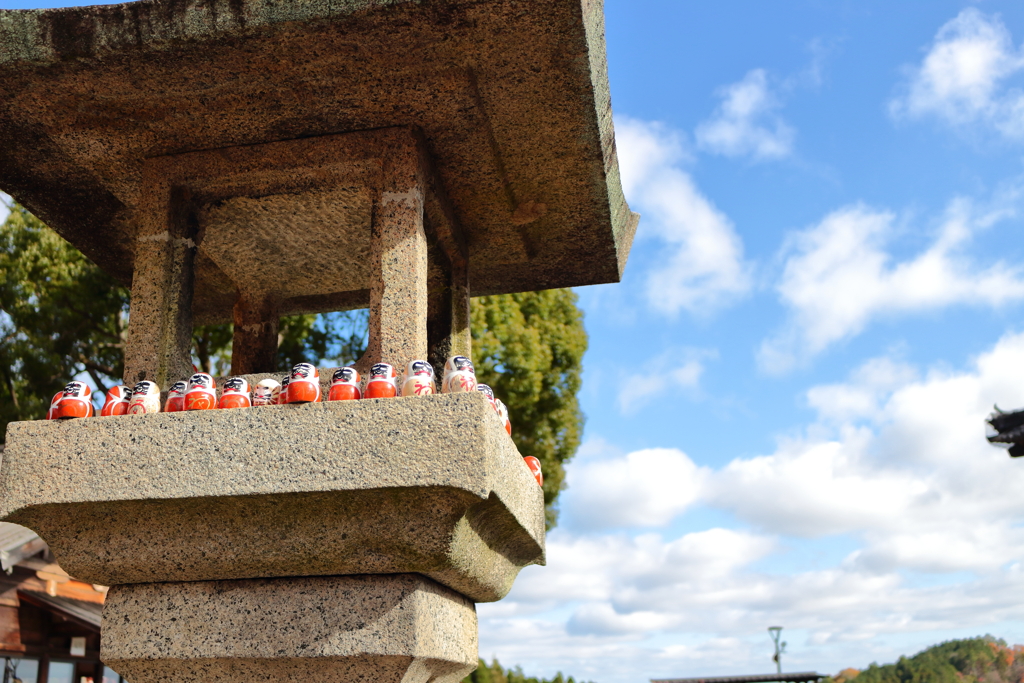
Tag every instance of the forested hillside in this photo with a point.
(972, 660)
(494, 673)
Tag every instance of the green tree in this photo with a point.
(61, 316)
(494, 673)
(968, 660)
(529, 348)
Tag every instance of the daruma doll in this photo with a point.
(51, 414)
(459, 376)
(419, 379)
(534, 465)
(201, 393)
(345, 385)
(145, 398)
(235, 394)
(503, 414)
(265, 393)
(383, 382)
(117, 401)
(176, 397)
(75, 401)
(304, 384)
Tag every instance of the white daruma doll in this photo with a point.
(51, 414)
(74, 401)
(145, 398)
(265, 393)
(176, 397)
(304, 384)
(503, 414)
(345, 385)
(459, 376)
(235, 394)
(383, 382)
(201, 393)
(534, 465)
(419, 379)
(117, 401)
(282, 394)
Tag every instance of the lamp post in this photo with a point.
(775, 632)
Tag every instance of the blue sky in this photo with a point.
(785, 395)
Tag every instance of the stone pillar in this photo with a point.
(398, 254)
(254, 344)
(160, 319)
(394, 628)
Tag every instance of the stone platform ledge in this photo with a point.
(431, 485)
(399, 628)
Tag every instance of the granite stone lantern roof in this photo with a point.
(508, 97)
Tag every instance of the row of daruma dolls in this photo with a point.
(301, 385)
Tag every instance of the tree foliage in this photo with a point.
(529, 348)
(61, 316)
(494, 673)
(970, 660)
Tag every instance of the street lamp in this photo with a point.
(775, 632)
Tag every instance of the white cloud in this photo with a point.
(745, 123)
(701, 267)
(838, 276)
(643, 488)
(902, 475)
(5, 201)
(672, 370)
(963, 77)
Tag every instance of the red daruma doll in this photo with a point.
(304, 384)
(383, 382)
(534, 465)
(419, 379)
(176, 397)
(459, 376)
(117, 401)
(145, 398)
(345, 385)
(235, 394)
(201, 393)
(51, 414)
(266, 392)
(74, 401)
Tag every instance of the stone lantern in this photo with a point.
(240, 160)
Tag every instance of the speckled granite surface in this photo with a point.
(431, 485)
(399, 628)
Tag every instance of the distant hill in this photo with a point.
(494, 673)
(972, 660)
